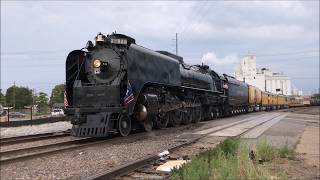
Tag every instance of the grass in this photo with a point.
(265, 151)
(230, 160)
(286, 152)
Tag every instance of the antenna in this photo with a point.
(176, 43)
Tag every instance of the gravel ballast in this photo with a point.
(34, 129)
(89, 161)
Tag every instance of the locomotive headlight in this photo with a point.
(96, 63)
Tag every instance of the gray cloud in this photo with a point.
(37, 36)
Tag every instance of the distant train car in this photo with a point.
(264, 100)
(306, 100)
(314, 101)
(296, 101)
(254, 98)
(273, 101)
(281, 101)
(287, 101)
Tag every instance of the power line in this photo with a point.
(176, 44)
(32, 52)
(200, 17)
(289, 59)
(197, 12)
(288, 53)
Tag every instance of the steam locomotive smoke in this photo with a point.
(211, 58)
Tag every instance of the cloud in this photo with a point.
(39, 35)
(211, 58)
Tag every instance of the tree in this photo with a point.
(2, 99)
(57, 94)
(42, 102)
(18, 97)
(317, 96)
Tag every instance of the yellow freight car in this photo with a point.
(281, 101)
(273, 101)
(287, 98)
(264, 100)
(254, 98)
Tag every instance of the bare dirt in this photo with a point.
(306, 165)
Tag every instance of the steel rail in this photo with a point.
(34, 137)
(33, 152)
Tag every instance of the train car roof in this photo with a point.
(233, 80)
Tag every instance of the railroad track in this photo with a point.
(34, 137)
(15, 155)
(150, 160)
(46, 150)
(23, 154)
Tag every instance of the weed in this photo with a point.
(265, 151)
(286, 152)
(230, 160)
(230, 146)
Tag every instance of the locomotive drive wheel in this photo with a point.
(187, 116)
(148, 124)
(161, 122)
(175, 118)
(124, 125)
(196, 114)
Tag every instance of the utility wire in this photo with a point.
(35, 52)
(288, 53)
(197, 21)
(288, 59)
(197, 12)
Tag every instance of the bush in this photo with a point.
(226, 161)
(265, 151)
(219, 163)
(286, 152)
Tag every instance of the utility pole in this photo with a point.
(14, 94)
(33, 96)
(176, 43)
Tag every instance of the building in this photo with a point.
(264, 78)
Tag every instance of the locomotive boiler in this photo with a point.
(116, 86)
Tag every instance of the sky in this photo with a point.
(36, 37)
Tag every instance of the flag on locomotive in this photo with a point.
(65, 100)
(129, 97)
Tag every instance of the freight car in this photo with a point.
(116, 85)
(296, 101)
(255, 98)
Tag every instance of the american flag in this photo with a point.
(128, 98)
(225, 86)
(65, 100)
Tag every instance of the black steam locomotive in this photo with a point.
(116, 86)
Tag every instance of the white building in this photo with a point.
(264, 79)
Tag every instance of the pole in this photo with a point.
(176, 43)
(8, 116)
(31, 114)
(14, 94)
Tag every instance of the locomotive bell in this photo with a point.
(141, 113)
(100, 37)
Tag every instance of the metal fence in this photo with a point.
(26, 116)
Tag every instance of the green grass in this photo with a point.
(265, 151)
(286, 152)
(230, 160)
